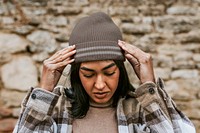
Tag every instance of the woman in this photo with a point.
(100, 97)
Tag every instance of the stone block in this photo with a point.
(11, 43)
(163, 73)
(12, 98)
(57, 21)
(136, 28)
(5, 112)
(42, 41)
(183, 56)
(61, 10)
(20, 73)
(185, 74)
(196, 57)
(162, 60)
(119, 10)
(7, 125)
(182, 10)
(174, 24)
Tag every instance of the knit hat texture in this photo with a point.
(96, 38)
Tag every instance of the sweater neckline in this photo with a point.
(102, 105)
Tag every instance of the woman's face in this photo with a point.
(99, 79)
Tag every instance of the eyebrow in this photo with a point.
(91, 70)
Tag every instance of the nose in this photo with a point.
(100, 83)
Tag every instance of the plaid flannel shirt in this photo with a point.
(147, 110)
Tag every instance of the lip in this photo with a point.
(100, 95)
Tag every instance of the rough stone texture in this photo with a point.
(168, 29)
(136, 29)
(42, 41)
(11, 43)
(185, 74)
(7, 125)
(12, 98)
(182, 10)
(20, 74)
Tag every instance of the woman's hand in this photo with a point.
(140, 61)
(54, 66)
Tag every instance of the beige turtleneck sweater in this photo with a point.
(99, 119)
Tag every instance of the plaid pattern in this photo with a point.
(148, 110)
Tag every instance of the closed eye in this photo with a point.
(88, 76)
(109, 74)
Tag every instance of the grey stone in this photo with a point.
(40, 57)
(152, 10)
(11, 43)
(23, 30)
(162, 61)
(42, 41)
(64, 45)
(147, 47)
(183, 95)
(171, 86)
(155, 38)
(7, 125)
(63, 37)
(192, 85)
(20, 74)
(163, 73)
(183, 56)
(16, 112)
(3, 9)
(7, 20)
(40, 12)
(181, 10)
(176, 24)
(136, 28)
(5, 57)
(192, 36)
(35, 21)
(168, 49)
(61, 10)
(35, 2)
(30, 11)
(12, 98)
(50, 28)
(57, 21)
(196, 57)
(93, 8)
(193, 114)
(194, 47)
(184, 74)
(184, 64)
(198, 65)
(129, 10)
(5, 112)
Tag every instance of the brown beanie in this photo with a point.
(96, 38)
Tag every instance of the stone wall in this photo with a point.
(32, 30)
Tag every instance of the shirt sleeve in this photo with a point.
(160, 111)
(37, 108)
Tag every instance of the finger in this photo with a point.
(63, 57)
(62, 52)
(131, 49)
(62, 64)
(132, 60)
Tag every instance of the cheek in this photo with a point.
(113, 82)
(87, 84)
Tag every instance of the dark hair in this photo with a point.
(80, 104)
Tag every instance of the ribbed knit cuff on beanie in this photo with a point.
(96, 38)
